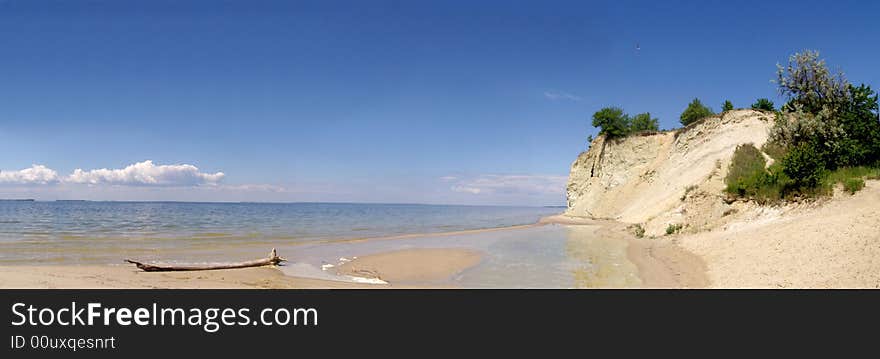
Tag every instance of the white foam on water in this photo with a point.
(366, 280)
(305, 270)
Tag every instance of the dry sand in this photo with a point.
(109, 277)
(836, 245)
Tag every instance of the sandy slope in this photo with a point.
(836, 245)
(641, 179)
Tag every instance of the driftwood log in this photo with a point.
(272, 260)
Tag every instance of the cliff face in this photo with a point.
(670, 177)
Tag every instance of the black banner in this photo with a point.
(334, 323)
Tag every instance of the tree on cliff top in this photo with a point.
(612, 122)
(695, 111)
(727, 106)
(808, 83)
(764, 104)
(644, 122)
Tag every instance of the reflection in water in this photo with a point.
(599, 261)
(552, 256)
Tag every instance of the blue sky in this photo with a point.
(407, 101)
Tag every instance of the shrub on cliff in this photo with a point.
(644, 122)
(673, 228)
(745, 167)
(727, 106)
(826, 124)
(764, 104)
(612, 122)
(695, 111)
(747, 176)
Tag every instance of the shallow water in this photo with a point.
(551, 256)
(312, 235)
(80, 232)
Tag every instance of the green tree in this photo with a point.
(764, 104)
(695, 111)
(644, 122)
(841, 127)
(727, 106)
(860, 122)
(612, 122)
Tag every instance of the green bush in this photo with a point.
(805, 165)
(727, 106)
(638, 230)
(748, 178)
(695, 111)
(764, 104)
(745, 166)
(611, 122)
(673, 228)
(644, 122)
(853, 185)
(852, 178)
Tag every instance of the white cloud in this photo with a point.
(466, 189)
(512, 184)
(146, 174)
(36, 174)
(561, 95)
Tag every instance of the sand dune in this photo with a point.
(829, 245)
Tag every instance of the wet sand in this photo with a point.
(434, 266)
(660, 263)
(666, 265)
(400, 269)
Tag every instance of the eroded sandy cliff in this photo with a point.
(663, 178)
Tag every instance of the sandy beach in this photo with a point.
(125, 277)
(832, 243)
(659, 265)
(400, 269)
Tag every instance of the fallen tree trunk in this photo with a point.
(273, 259)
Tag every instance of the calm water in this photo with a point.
(313, 235)
(72, 231)
(551, 256)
